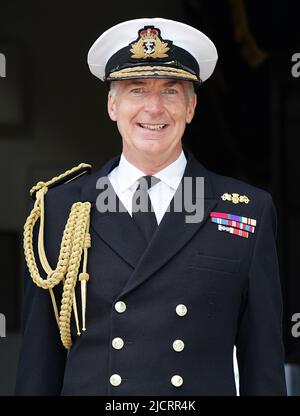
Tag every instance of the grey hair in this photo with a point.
(113, 88)
(191, 89)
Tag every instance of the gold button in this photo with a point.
(115, 380)
(178, 345)
(117, 343)
(120, 306)
(181, 310)
(177, 381)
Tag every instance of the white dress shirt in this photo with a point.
(124, 179)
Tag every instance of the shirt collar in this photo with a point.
(128, 174)
(171, 175)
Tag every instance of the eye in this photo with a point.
(138, 91)
(170, 91)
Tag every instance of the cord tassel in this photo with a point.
(83, 277)
(76, 314)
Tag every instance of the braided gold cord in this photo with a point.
(54, 277)
(75, 241)
(82, 211)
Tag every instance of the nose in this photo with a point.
(154, 103)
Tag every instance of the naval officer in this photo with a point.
(140, 298)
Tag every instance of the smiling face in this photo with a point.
(151, 115)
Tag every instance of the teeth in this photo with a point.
(152, 126)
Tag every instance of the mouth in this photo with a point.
(152, 127)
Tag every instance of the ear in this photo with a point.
(111, 106)
(191, 108)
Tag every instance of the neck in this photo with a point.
(151, 164)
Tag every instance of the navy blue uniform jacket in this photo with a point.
(229, 284)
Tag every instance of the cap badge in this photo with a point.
(149, 44)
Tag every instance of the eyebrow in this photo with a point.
(168, 83)
(171, 83)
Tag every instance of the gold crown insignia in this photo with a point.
(149, 45)
(148, 33)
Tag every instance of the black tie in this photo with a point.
(142, 210)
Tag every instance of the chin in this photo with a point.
(152, 147)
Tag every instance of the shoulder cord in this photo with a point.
(76, 240)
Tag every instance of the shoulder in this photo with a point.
(240, 200)
(238, 192)
(232, 192)
(66, 185)
(75, 184)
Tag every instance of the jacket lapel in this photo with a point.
(173, 232)
(117, 229)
